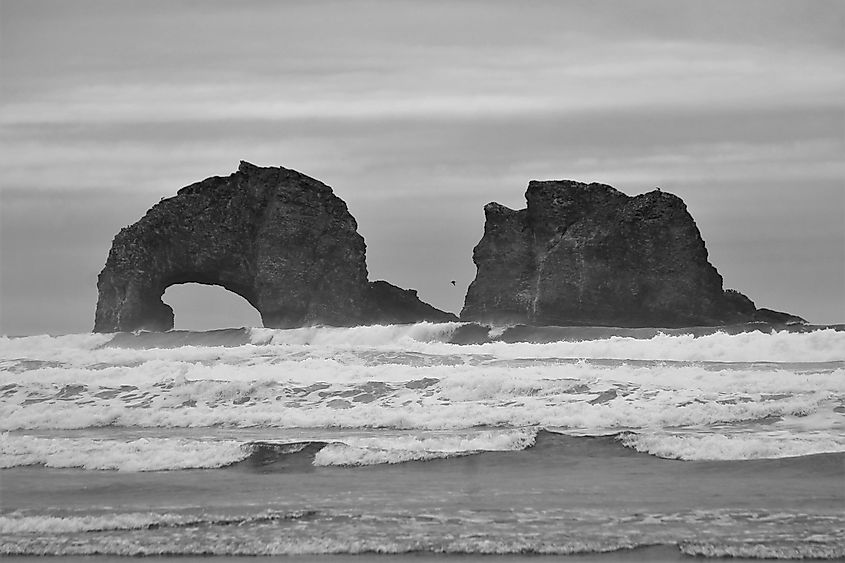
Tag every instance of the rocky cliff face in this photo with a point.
(281, 240)
(587, 254)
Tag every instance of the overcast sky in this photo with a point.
(417, 114)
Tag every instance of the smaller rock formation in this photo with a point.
(393, 305)
(281, 240)
(587, 254)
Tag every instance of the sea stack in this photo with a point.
(587, 254)
(278, 238)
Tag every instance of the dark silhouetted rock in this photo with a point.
(587, 254)
(777, 317)
(281, 240)
(391, 304)
(470, 333)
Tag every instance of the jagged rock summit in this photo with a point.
(281, 240)
(587, 254)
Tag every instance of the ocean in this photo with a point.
(395, 441)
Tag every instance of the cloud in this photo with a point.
(635, 76)
(376, 158)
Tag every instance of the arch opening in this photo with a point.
(199, 306)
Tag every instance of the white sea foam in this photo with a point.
(375, 544)
(407, 377)
(24, 524)
(162, 454)
(822, 345)
(581, 396)
(783, 346)
(45, 345)
(374, 450)
(812, 550)
(347, 390)
(341, 454)
(818, 346)
(737, 446)
(86, 523)
(466, 441)
(223, 545)
(143, 454)
(425, 338)
(376, 335)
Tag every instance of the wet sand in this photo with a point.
(657, 554)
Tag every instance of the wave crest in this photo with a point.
(738, 446)
(167, 454)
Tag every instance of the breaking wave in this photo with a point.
(168, 454)
(24, 524)
(738, 446)
(746, 344)
(289, 420)
(171, 454)
(273, 532)
(185, 391)
(758, 394)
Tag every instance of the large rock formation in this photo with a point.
(281, 240)
(587, 254)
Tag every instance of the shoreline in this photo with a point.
(654, 553)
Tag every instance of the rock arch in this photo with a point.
(201, 307)
(281, 240)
